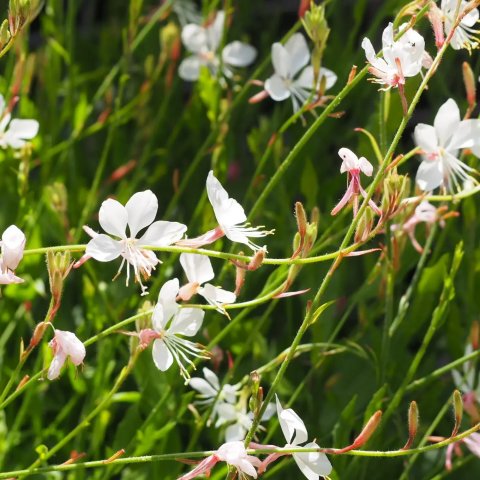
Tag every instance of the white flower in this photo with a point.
(464, 34)
(14, 133)
(292, 77)
(440, 146)
(231, 216)
(198, 270)
(402, 58)
(203, 43)
(171, 323)
(64, 345)
(12, 245)
(234, 454)
(313, 465)
(211, 391)
(239, 418)
(138, 213)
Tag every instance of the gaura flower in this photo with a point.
(204, 42)
(239, 419)
(138, 213)
(211, 391)
(170, 324)
(64, 345)
(472, 442)
(401, 59)
(15, 133)
(293, 77)
(231, 220)
(353, 166)
(234, 454)
(198, 270)
(464, 35)
(424, 212)
(440, 146)
(12, 245)
(314, 464)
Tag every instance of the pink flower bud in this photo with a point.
(13, 244)
(64, 345)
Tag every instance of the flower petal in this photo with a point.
(215, 31)
(189, 69)
(291, 424)
(227, 210)
(203, 387)
(166, 298)
(277, 88)
(446, 121)
(13, 244)
(234, 433)
(142, 209)
(239, 54)
(425, 137)
(56, 365)
(113, 218)
(103, 248)
(162, 233)
(162, 358)
(313, 464)
(216, 296)
(299, 54)
(330, 77)
(187, 321)
(466, 135)
(280, 60)
(25, 129)
(198, 268)
(71, 345)
(194, 38)
(429, 175)
(365, 166)
(211, 378)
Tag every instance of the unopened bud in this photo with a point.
(395, 189)
(4, 34)
(469, 81)
(301, 217)
(37, 335)
(58, 266)
(303, 7)
(256, 399)
(57, 197)
(435, 16)
(413, 419)
(458, 411)
(365, 434)
(475, 335)
(239, 279)
(365, 225)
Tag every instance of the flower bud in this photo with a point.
(469, 81)
(413, 419)
(21, 12)
(395, 189)
(475, 335)
(4, 34)
(458, 411)
(58, 265)
(365, 225)
(435, 16)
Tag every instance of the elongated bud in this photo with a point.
(458, 411)
(303, 7)
(469, 81)
(37, 335)
(435, 16)
(413, 420)
(474, 335)
(301, 217)
(365, 434)
(239, 279)
(4, 34)
(256, 399)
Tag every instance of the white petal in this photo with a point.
(13, 244)
(467, 135)
(159, 319)
(215, 31)
(187, 321)
(217, 296)
(211, 378)
(194, 38)
(313, 464)
(166, 298)
(103, 248)
(280, 60)
(330, 77)
(189, 68)
(238, 54)
(25, 129)
(142, 209)
(198, 268)
(470, 19)
(113, 218)
(162, 233)
(234, 433)
(277, 88)
(8, 277)
(365, 166)
(162, 357)
(71, 345)
(425, 137)
(56, 365)
(447, 121)
(429, 175)
(299, 54)
(227, 210)
(203, 387)
(292, 425)
(269, 412)
(350, 160)
(305, 79)
(226, 413)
